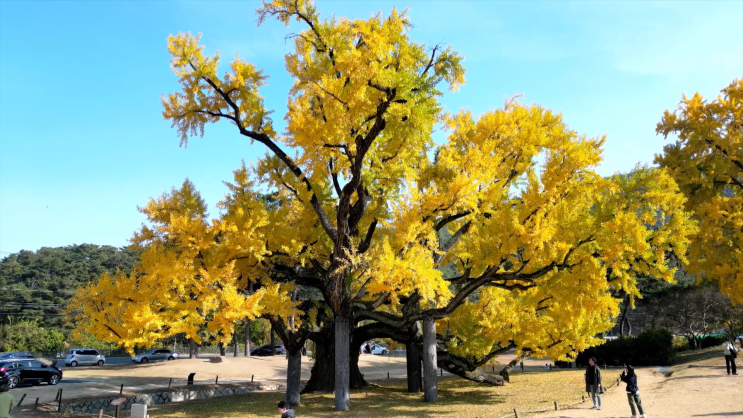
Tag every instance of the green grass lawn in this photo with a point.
(457, 398)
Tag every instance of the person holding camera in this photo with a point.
(629, 377)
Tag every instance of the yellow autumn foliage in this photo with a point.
(504, 233)
(706, 160)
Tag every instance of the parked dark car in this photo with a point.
(279, 349)
(21, 354)
(17, 371)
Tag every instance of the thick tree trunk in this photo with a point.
(413, 357)
(431, 389)
(294, 371)
(357, 379)
(222, 350)
(322, 378)
(455, 368)
(193, 349)
(507, 370)
(624, 319)
(247, 338)
(237, 344)
(342, 363)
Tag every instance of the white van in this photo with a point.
(80, 356)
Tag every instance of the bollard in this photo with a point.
(388, 375)
(556, 408)
(21, 401)
(117, 403)
(122, 389)
(190, 378)
(442, 372)
(170, 382)
(216, 381)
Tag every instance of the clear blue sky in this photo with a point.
(83, 142)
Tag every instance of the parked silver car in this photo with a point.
(156, 354)
(80, 356)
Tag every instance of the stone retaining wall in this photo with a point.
(161, 398)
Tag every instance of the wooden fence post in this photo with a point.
(516, 413)
(556, 408)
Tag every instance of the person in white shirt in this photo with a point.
(730, 352)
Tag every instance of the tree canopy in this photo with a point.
(706, 161)
(365, 208)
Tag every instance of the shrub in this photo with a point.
(651, 348)
(713, 341)
(680, 343)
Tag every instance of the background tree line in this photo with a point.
(36, 286)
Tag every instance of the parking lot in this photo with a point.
(101, 381)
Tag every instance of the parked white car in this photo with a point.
(380, 350)
(81, 356)
(156, 354)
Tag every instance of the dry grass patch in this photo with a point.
(457, 398)
(706, 357)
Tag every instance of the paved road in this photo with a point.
(109, 360)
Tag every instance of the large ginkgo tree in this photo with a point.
(706, 160)
(501, 237)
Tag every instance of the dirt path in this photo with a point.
(705, 391)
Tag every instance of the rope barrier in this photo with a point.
(518, 413)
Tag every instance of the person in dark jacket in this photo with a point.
(285, 411)
(593, 382)
(633, 392)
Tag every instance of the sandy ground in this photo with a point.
(100, 381)
(705, 391)
(94, 381)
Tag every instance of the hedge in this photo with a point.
(651, 348)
